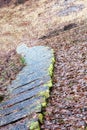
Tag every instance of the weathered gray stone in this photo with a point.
(25, 79)
(21, 105)
(20, 114)
(30, 88)
(24, 96)
(20, 127)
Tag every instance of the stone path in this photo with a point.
(29, 91)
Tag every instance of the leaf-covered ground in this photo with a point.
(67, 106)
(10, 65)
(45, 22)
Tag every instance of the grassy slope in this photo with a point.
(26, 23)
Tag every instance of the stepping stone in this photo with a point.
(29, 91)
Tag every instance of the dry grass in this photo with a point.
(26, 23)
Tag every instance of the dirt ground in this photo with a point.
(61, 25)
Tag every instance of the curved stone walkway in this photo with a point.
(29, 91)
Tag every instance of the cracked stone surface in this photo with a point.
(28, 92)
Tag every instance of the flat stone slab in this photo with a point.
(29, 91)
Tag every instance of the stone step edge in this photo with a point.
(35, 125)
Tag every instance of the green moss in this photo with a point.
(22, 59)
(34, 126)
(52, 51)
(40, 117)
(50, 69)
(49, 84)
(53, 60)
(38, 107)
(45, 94)
(45, 113)
(44, 104)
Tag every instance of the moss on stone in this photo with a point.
(49, 84)
(44, 104)
(22, 59)
(52, 51)
(45, 93)
(34, 126)
(53, 60)
(38, 107)
(40, 117)
(45, 113)
(50, 69)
